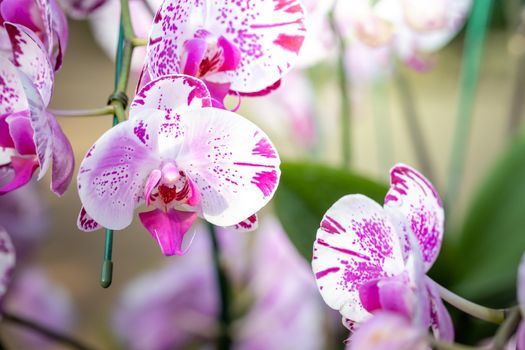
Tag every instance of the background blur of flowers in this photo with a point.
(302, 120)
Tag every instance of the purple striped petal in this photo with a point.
(232, 162)
(441, 321)
(417, 200)
(86, 222)
(355, 244)
(63, 159)
(250, 224)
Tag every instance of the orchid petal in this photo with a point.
(60, 31)
(7, 261)
(23, 168)
(231, 161)
(173, 94)
(63, 158)
(151, 183)
(86, 222)
(520, 336)
(416, 198)
(12, 94)
(250, 224)
(113, 173)
(195, 48)
(168, 228)
(80, 9)
(521, 283)
(440, 318)
(21, 134)
(268, 34)
(355, 244)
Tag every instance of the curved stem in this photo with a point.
(224, 341)
(507, 329)
(343, 80)
(43, 330)
(470, 68)
(441, 345)
(139, 42)
(496, 316)
(94, 112)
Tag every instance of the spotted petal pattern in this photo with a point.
(416, 198)
(355, 244)
(268, 33)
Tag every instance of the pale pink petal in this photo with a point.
(440, 318)
(267, 33)
(113, 173)
(7, 261)
(173, 94)
(63, 159)
(250, 224)
(80, 9)
(416, 198)
(12, 94)
(356, 243)
(86, 222)
(168, 228)
(23, 169)
(520, 336)
(30, 56)
(521, 284)
(388, 294)
(231, 161)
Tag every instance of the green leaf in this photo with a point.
(305, 193)
(492, 240)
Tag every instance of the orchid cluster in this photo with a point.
(182, 156)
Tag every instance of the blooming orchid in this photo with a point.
(30, 136)
(44, 17)
(241, 47)
(365, 259)
(180, 156)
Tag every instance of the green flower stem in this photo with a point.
(507, 329)
(517, 49)
(385, 146)
(118, 101)
(441, 345)
(44, 331)
(137, 42)
(343, 81)
(496, 316)
(95, 112)
(224, 338)
(470, 67)
(414, 126)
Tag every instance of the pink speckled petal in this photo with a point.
(12, 94)
(441, 321)
(173, 94)
(86, 222)
(355, 244)
(113, 173)
(23, 169)
(232, 162)
(250, 224)
(168, 228)
(21, 133)
(267, 33)
(7, 261)
(417, 200)
(63, 159)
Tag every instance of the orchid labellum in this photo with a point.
(181, 157)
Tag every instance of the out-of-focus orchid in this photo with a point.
(44, 17)
(34, 296)
(80, 9)
(365, 260)
(520, 335)
(242, 46)
(183, 157)
(7, 262)
(30, 136)
(388, 331)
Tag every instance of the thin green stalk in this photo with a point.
(385, 146)
(471, 62)
(496, 316)
(224, 340)
(517, 49)
(44, 331)
(507, 329)
(343, 81)
(414, 126)
(441, 345)
(139, 42)
(94, 112)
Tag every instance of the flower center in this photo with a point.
(170, 187)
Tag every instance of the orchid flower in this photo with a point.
(30, 136)
(7, 262)
(45, 18)
(180, 156)
(365, 259)
(242, 47)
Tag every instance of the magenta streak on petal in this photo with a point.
(342, 250)
(291, 43)
(254, 165)
(323, 273)
(397, 181)
(258, 26)
(23, 168)
(195, 51)
(194, 196)
(199, 91)
(21, 134)
(140, 132)
(262, 92)
(5, 138)
(151, 183)
(86, 222)
(331, 225)
(390, 197)
(264, 148)
(266, 181)
(230, 53)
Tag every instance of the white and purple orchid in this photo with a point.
(180, 156)
(366, 257)
(242, 47)
(30, 137)
(43, 17)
